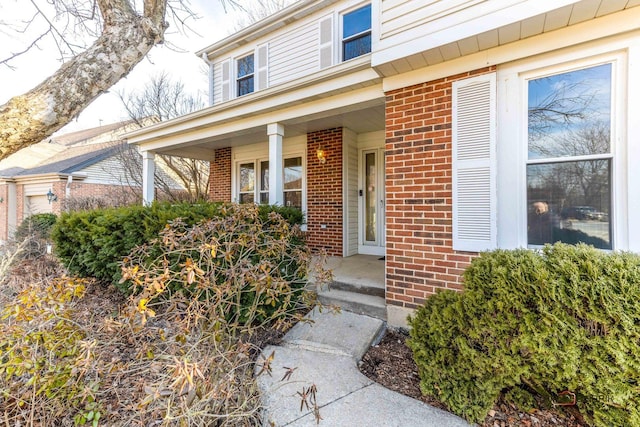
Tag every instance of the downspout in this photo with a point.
(210, 77)
(67, 188)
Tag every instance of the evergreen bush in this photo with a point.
(36, 231)
(561, 324)
(93, 243)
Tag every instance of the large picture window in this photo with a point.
(250, 189)
(569, 166)
(356, 33)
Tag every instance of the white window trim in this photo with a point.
(340, 39)
(512, 141)
(235, 73)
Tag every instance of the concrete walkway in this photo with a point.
(325, 354)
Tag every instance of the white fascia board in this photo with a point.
(620, 24)
(249, 117)
(414, 41)
(40, 178)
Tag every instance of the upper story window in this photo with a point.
(569, 166)
(245, 75)
(356, 33)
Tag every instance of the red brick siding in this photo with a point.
(220, 176)
(4, 213)
(117, 194)
(58, 188)
(324, 191)
(419, 254)
(20, 203)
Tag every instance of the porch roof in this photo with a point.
(348, 95)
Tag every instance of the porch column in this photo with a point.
(148, 171)
(276, 195)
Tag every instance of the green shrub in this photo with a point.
(93, 243)
(558, 323)
(237, 269)
(38, 225)
(36, 230)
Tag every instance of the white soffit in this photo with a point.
(480, 17)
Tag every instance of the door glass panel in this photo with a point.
(370, 197)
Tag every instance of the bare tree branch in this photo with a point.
(125, 39)
(159, 100)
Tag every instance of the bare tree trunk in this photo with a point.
(125, 40)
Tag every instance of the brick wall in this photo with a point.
(116, 194)
(220, 176)
(419, 254)
(4, 214)
(324, 191)
(20, 203)
(59, 188)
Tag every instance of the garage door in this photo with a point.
(36, 205)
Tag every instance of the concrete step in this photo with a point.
(370, 305)
(366, 289)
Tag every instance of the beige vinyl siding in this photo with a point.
(402, 15)
(217, 82)
(107, 171)
(294, 54)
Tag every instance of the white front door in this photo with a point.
(371, 201)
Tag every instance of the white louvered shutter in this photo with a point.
(262, 63)
(326, 42)
(474, 163)
(226, 80)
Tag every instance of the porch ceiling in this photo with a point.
(572, 14)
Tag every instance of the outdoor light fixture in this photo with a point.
(322, 155)
(51, 197)
(1, 199)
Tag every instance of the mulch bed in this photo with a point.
(390, 363)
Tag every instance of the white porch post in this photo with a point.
(276, 186)
(148, 171)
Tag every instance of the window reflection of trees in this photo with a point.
(569, 124)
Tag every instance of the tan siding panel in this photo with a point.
(294, 54)
(107, 171)
(217, 83)
(402, 15)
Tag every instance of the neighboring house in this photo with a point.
(427, 131)
(42, 177)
